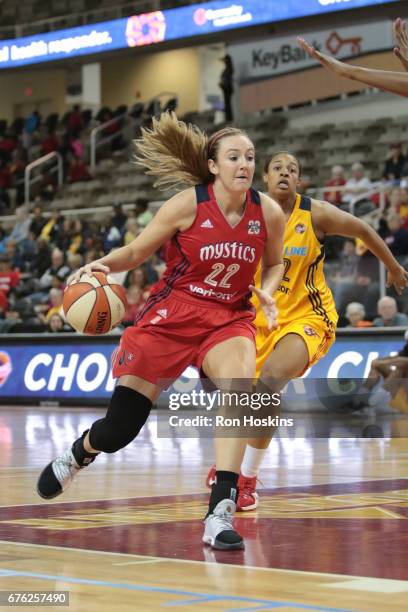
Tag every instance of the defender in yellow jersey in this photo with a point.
(307, 315)
(304, 301)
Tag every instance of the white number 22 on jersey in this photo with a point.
(218, 269)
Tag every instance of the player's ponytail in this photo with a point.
(177, 153)
(174, 152)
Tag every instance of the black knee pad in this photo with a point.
(127, 413)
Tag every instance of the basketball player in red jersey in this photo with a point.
(200, 312)
(388, 80)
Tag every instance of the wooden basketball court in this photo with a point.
(331, 532)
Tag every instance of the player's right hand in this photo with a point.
(326, 61)
(94, 266)
(398, 278)
(401, 38)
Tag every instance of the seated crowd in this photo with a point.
(39, 252)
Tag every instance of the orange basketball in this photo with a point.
(95, 304)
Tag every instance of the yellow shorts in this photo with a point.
(318, 339)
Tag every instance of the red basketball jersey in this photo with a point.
(212, 262)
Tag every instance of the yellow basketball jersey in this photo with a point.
(303, 292)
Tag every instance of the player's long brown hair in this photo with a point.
(177, 153)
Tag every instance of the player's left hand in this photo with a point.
(398, 278)
(268, 305)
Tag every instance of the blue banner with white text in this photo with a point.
(67, 367)
(160, 26)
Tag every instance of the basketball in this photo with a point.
(94, 305)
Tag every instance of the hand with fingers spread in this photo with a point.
(398, 278)
(94, 266)
(401, 38)
(325, 60)
(268, 305)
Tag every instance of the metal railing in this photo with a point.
(28, 181)
(95, 144)
(379, 188)
(154, 104)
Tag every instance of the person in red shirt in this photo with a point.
(337, 180)
(50, 143)
(78, 171)
(9, 278)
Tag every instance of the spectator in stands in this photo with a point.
(21, 226)
(37, 221)
(55, 304)
(17, 167)
(42, 259)
(75, 121)
(78, 171)
(3, 240)
(50, 143)
(227, 86)
(355, 313)
(348, 261)
(394, 163)
(76, 145)
(136, 300)
(5, 185)
(119, 218)
(14, 255)
(56, 324)
(58, 268)
(403, 206)
(132, 230)
(358, 185)
(137, 278)
(3, 305)
(337, 180)
(394, 235)
(32, 123)
(112, 238)
(53, 227)
(74, 261)
(7, 145)
(389, 315)
(364, 287)
(64, 238)
(9, 278)
(142, 212)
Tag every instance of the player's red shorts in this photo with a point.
(173, 334)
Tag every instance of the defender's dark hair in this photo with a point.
(272, 157)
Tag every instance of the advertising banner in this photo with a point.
(276, 56)
(160, 26)
(74, 369)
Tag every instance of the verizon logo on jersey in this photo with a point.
(211, 293)
(223, 250)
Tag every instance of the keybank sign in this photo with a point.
(80, 370)
(160, 26)
(280, 55)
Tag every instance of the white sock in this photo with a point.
(252, 460)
